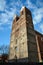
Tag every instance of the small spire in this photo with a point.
(15, 16)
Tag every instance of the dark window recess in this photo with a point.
(42, 55)
(15, 57)
(16, 48)
(28, 15)
(17, 19)
(17, 30)
(16, 41)
(23, 43)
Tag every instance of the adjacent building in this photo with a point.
(39, 40)
(24, 39)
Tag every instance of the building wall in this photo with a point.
(39, 40)
(31, 37)
(19, 39)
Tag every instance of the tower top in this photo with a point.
(22, 8)
(16, 17)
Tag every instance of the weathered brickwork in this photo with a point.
(23, 38)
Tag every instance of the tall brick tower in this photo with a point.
(23, 46)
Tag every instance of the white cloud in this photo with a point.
(0, 24)
(2, 5)
(11, 13)
(41, 27)
(38, 15)
(31, 5)
(7, 17)
(1, 28)
(37, 12)
(4, 18)
(39, 3)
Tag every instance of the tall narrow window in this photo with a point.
(16, 40)
(16, 48)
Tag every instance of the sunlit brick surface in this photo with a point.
(23, 38)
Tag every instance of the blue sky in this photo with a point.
(8, 9)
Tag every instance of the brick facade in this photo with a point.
(23, 38)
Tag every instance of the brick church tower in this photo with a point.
(23, 46)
